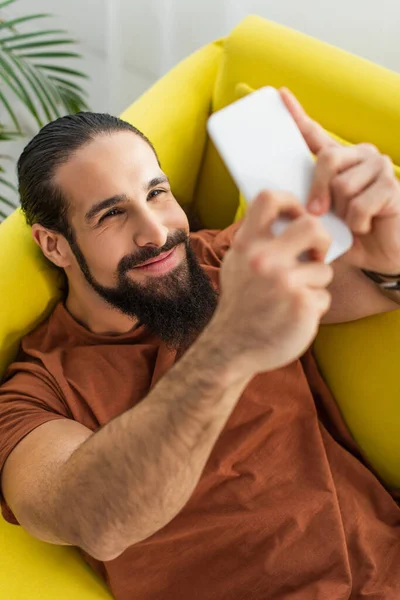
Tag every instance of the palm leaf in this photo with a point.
(8, 184)
(3, 4)
(10, 111)
(12, 80)
(67, 83)
(8, 136)
(6, 201)
(64, 70)
(23, 36)
(32, 80)
(3, 215)
(50, 55)
(46, 90)
(40, 44)
(11, 24)
(73, 99)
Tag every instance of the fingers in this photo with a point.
(329, 166)
(315, 275)
(263, 210)
(304, 234)
(363, 208)
(314, 135)
(322, 299)
(354, 181)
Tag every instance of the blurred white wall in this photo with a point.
(129, 44)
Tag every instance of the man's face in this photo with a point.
(123, 214)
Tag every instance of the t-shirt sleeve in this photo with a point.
(210, 245)
(29, 397)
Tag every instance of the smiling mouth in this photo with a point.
(158, 258)
(161, 264)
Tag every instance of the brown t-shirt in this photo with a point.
(286, 507)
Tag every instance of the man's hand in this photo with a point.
(360, 185)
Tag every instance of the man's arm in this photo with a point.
(134, 475)
(354, 296)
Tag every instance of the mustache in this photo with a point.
(133, 260)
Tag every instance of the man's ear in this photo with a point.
(53, 245)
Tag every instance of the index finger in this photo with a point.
(263, 211)
(314, 135)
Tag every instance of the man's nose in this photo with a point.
(150, 230)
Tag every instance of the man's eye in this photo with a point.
(155, 193)
(111, 213)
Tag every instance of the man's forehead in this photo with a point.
(119, 163)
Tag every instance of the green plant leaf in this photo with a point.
(39, 44)
(23, 36)
(73, 99)
(68, 83)
(7, 136)
(11, 24)
(8, 183)
(64, 70)
(33, 83)
(10, 111)
(66, 91)
(55, 92)
(7, 202)
(44, 89)
(9, 77)
(49, 91)
(15, 84)
(6, 3)
(50, 55)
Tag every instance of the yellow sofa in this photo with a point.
(354, 99)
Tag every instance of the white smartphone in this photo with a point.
(263, 148)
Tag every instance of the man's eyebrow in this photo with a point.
(109, 202)
(156, 181)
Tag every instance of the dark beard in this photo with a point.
(175, 307)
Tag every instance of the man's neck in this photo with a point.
(97, 316)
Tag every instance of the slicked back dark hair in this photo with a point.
(42, 201)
